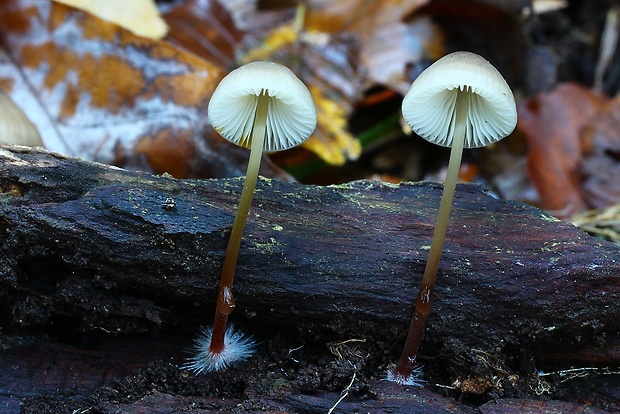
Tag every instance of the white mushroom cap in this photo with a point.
(291, 117)
(430, 105)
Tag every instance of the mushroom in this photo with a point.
(262, 106)
(460, 101)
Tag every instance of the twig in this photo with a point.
(343, 395)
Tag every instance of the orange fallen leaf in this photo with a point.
(97, 91)
(551, 123)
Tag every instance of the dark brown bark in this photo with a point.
(92, 247)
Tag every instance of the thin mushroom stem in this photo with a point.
(225, 300)
(404, 369)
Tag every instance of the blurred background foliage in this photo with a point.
(130, 88)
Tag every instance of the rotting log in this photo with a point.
(78, 236)
(127, 252)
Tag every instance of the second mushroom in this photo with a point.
(460, 101)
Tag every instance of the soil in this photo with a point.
(300, 364)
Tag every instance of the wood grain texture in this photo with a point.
(127, 252)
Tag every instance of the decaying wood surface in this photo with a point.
(127, 252)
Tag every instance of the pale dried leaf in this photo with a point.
(140, 17)
(15, 127)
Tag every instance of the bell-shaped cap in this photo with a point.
(430, 105)
(291, 117)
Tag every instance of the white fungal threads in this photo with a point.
(237, 347)
(414, 379)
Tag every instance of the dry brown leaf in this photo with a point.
(204, 27)
(388, 42)
(551, 123)
(96, 91)
(140, 17)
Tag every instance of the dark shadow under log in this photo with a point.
(127, 252)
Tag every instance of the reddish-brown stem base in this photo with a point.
(406, 363)
(219, 329)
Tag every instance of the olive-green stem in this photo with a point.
(225, 301)
(424, 300)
